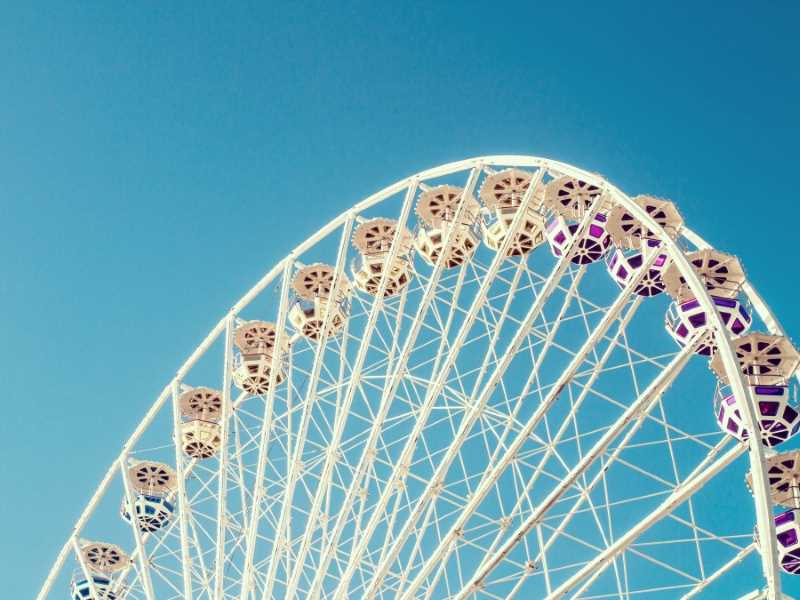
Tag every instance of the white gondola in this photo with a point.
(374, 239)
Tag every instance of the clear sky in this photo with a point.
(157, 158)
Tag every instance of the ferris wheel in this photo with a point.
(497, 378)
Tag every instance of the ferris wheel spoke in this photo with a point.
(222, 478)
(682, 434)
(386, 397)
(282, 531)
(266, 429)
(441, 440)
(183, 513)
(435, 389)
(264, 445)
(498, 465)
(638, 553)
(491, 359)
(144, 567)
(155, 559)
(377, 305)
(472, 415)
(533, 378)
(607, 531)
(704, 471)
(429, 513)
(711, 578)
(604, 533)
(574, 403)
(601, 475)
(636, 410)
(494, 329)
(480, 413)
(241, 471)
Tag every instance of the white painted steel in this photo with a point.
(183, 504)
(478, 406)
(189, 531)
(691, 485)
(222, 477)
(275, 365)
(492, 477)
(636, 411)
(433, 391)
(141, 555)
(740, 556)
(388, 392)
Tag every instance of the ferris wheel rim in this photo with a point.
(757, 459)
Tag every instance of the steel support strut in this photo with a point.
(740, 556)
(266, 427)
(142, 559)
(768, 550)
(183, 504)
(493, 475)
(377, 306)
(681, 493)
(635, 412)
(390, 388)
(222, 490)
(476, 409)
(436, 387)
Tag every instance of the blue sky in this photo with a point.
(156, 159)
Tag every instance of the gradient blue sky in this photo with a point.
(157, 158)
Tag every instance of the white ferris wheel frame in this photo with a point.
(763, 504)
